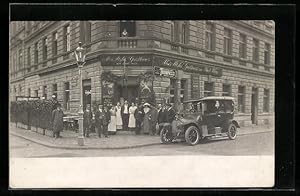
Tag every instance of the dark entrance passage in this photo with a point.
(127, 90)
(254, 105)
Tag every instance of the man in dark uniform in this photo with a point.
(87, 121)
(161, 118)
(139, 115)
(170, 115)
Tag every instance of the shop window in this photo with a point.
(45, 43)
(241, 99)
(255, 50)
(208, 89)
(243, 46)
(210, 36)
(226, 90)
(227, 47)
(127, 28)
(54, 87)
(45, 92)
(172, 90)
(67, 95)
(182, 90)
(67, 38)
(267, 54)
(266, 100)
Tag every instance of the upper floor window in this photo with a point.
(28, 56)
(85, 32)
(210, 36)
(182, 90)
(184, 33)
(45, 49)
(67, 38)
(127, 28)
(20, 57)
(172, 31)
(45, 92)
(255, 50)
(227, 41)
(267, 54)
(54, 90)
(54, 43)
(36, 53)
(243, 46)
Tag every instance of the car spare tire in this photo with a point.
(192, 135)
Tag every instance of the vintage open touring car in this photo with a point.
(204, 118)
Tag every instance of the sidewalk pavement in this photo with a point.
(122, 140)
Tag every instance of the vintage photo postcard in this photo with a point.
(141, 103)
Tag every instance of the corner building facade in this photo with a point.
(137, 60)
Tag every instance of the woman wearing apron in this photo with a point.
(119, 121)
(112, 126)
(132, 120)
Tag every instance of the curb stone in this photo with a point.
(104, 148)
(81, 147)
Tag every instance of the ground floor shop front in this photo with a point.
(157, 78)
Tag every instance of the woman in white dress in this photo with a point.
(119, 121)
(112, 126)
(132, 120)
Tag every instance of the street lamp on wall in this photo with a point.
(80, 59)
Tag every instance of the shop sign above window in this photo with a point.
(165, 72)
(187, 66)
(126, 59)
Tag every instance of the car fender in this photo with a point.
(192, 124)
(233, 122)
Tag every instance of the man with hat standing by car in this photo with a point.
(170, 115)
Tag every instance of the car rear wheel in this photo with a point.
(165, 136)
(192, 135)
(232, 131)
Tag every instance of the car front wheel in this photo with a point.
(232, 131)
(192, 135)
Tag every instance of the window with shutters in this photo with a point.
(210, 36)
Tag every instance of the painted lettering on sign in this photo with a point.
(126, 60)
(187, 66)
(165, 72)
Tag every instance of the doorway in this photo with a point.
(86, 88)
(129, 93)
(254, 105)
